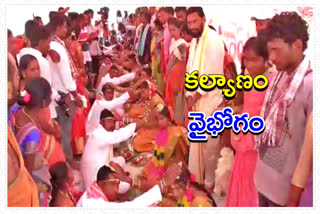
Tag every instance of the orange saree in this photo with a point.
(22, 192)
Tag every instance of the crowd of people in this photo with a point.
(111, 103)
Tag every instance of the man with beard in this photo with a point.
(62, 81)
(206, 56)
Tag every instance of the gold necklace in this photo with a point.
(38, 125)
(19, 127)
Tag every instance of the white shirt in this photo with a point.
(115, 81)
(98, 150)
(44, 73)
(98, 106)
(86, 54)
(94, 48)
(61, 72)
(145, 200)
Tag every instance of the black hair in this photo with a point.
(131, 15)
(158, 24)
(185, 29)
(60, 8)
(57, 21)
(104, 173)
(121, 26)
(165, 112)
(201, 187)
(73, 16)
(29, 27)
(197, 10)
(59, 176)
(37, 18)
(119, 13)
(146, 15)
(89, 11)
(52, 14)
(175, 22)
(25, 61)
(75, 32)
(39, 90)
(258, 45)
(169, 10)
(106, 113)
(9, 33)
(38, 34)
(288, 26)
(105, 87)
(178, 9)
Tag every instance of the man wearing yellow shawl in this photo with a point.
(206, 56)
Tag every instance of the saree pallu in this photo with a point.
(174, 149)
(22, 192)
(51, 148)
(78, 131)
(144, 140)
(41, 175)
(174, 86)
(175, 93)
(156, 62)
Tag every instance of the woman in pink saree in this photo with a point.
(242, 191)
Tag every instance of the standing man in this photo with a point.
(40, 45)
(94, 48)
(206, 55)
(63, 82)
(261, 21)
(145, 37)
(286, 108)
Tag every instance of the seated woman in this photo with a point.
(186, 193)
(63, 192)
(145, 108)
(51, 132)
(25, 122)
(170, 147)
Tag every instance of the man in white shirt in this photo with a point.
(99, 147)
(95, 50)
(104, 103)
(104, 193)
(114, 78)
(40, 45)
(63, 82)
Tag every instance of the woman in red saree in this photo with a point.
(78, 124)
(174, 81)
